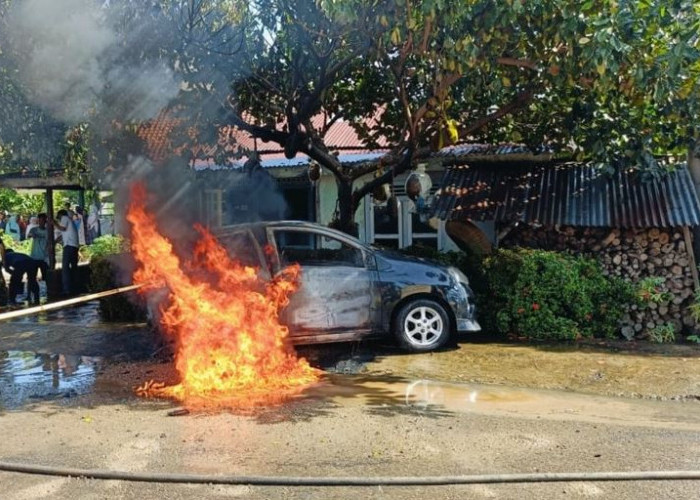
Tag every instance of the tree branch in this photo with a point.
(324, 158)
(520, 63)
(402, 166)
(262, 133)
(522, 99)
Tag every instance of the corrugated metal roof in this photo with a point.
(36, 179)
(463, 152)
(460, 150)
(281, 161)
(576, 195)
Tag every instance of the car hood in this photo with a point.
(407, 268)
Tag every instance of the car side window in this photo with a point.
(314, 249)
(242, 247)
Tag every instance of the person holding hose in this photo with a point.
(19, 265)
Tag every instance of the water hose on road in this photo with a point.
(544, 477)
(28, 311)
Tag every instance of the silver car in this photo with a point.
(350, 290)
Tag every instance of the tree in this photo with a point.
(28, 136)
(612, 82)
(75, 87)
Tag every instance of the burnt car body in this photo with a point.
(350, 290)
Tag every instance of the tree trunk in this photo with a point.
(346, 208)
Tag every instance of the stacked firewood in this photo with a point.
(633, 254)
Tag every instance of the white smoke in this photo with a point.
(70, 61)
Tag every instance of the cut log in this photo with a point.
(608, 239)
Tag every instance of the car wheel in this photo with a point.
(422, 325)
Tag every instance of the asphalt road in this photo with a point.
(71, 404)
(359, 426)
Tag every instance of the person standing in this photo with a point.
(22, 223)
(32, 223)
(40, 244)
(93, 223)
(79, 221)
(12, 228)
(3, 286)
(69, 263)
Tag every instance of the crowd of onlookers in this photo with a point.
(18, 226)
(72, 229)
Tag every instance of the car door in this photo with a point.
(337, 285)
(243, 246)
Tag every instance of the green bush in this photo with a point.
(18, 246)
(548, 295)
(540, 295)
(663, 334)
(120, 307)
(104, 245)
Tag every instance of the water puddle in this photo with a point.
(391, 395)
(29, 376)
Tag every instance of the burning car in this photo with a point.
(349, 290)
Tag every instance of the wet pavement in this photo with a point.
(67, 399)
(71, 351)
(29, 376)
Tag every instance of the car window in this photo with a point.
(242, 247)
(314, 249)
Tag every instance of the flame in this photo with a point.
(231, 350)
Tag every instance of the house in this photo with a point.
(392, 218)
(635, 227)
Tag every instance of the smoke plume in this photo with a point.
(75, 64)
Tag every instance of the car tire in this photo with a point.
(422, 325)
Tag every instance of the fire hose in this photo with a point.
(28, 311)
(546, 477)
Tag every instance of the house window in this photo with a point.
(212, 207)
(421, 232)
(300, 198)
(385, 223)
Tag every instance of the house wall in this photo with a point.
(326, 196)
(323, 195)
(632, 254)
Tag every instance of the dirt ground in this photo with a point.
(628, 369)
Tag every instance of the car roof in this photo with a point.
(288, 224)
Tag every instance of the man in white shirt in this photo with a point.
(69, 263)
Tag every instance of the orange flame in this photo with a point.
(231, 350)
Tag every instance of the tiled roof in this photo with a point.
(571, 194)
(157, 133)
(157, 136)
